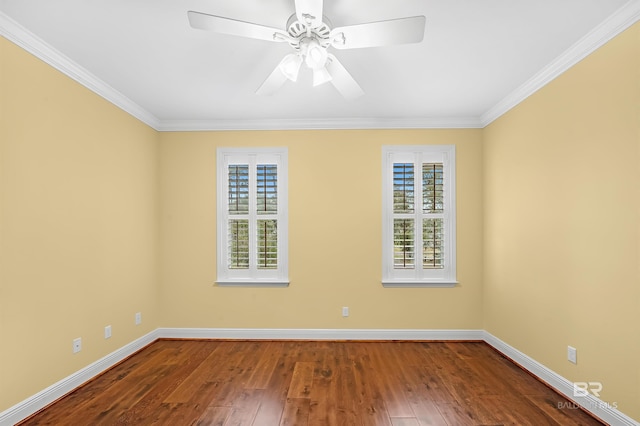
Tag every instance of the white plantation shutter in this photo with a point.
(238, 256)
(419, 215)
(252, 217)
(267, 188)
(403, 222)
(238, 211)
(267, 209)
(433, 232)
(238, 188)
(267, 244)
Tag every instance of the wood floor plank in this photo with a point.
(464, 386)
(369, 390)
(174, 414)
(346, 405)
(332, 393)
(314, 383)
(214, 416)
(421, 389)
(427, 413)
(490, 367)
(265, 365)
(404, 421)
(430, 385)
(527, 414)
(560, 409)
(302, 380)
(275, 395)
(395, 399)
(121, 396)
(296, 412)
(485, 376)
(418, 393)
(196, 380)
(227, 375)
(109, 383)
(192, 354)
(245, 408)
(322, 407)
(458, 415)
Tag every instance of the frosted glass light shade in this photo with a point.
(290, 66)
(316, 55)
(321, 76)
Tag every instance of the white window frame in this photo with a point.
(419, 276)
(253, 276)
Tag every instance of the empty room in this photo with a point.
(312, 212)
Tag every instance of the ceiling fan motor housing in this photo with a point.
(298, 31)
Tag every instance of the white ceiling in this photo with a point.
(477, 60)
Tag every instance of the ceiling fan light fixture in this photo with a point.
(290, 66)
(309, 33)
(315, 55)
(321, 76)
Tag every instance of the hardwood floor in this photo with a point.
(182, 382)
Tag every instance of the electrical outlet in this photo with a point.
(572, 354)
(345, 311)
(138, 318)
(107, 332)
(77, 345)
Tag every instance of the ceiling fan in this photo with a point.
(310, 35)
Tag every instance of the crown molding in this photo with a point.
(322, 124)
(20, 36)
(619, 21)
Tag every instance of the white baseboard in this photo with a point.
(45, 397)
(318, 334)
(590, 403)
(602, 410)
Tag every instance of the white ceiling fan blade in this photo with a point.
(342, 80)
(382, 33)
(309, 12)
(275, 80)
(203, 21)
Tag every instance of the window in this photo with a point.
(252, 217)
(419, 216)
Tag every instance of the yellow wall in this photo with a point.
(562, 223)
(335, 225)
(78, 225)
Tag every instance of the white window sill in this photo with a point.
(252, 283)
(419, 284)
